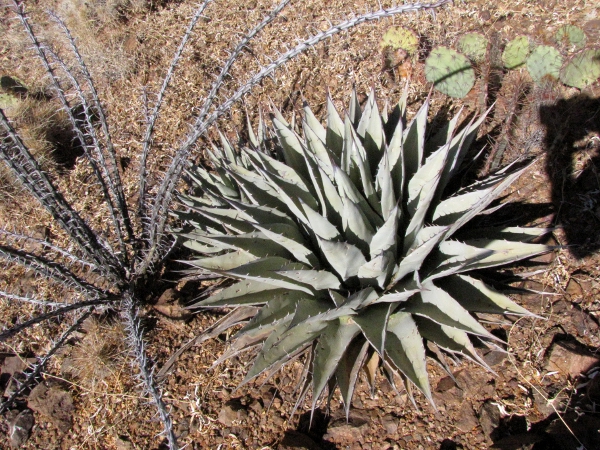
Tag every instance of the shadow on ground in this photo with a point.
(572, 144)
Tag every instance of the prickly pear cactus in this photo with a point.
(400, 38)
(516, 52)
(571, 37)
(474, 45)
(544, 62)
(582, 69)
(450, 71)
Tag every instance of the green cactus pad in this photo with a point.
(450, 71)
(516, 52)
(570, 36)
(400, 38)
(582, 69)
(474, 45)
(544, 61)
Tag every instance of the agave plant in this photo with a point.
(348, 247)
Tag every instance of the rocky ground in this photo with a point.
(544, 391)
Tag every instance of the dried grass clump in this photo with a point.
(98, 359)
(46, 130)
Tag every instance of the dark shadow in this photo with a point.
(573, 165)
(309, 433)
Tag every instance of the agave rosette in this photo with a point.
(346, 245)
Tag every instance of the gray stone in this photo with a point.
(570, 358)
(19, 427)
(54, 403)
(229, 414)
(467, 420)
(489, 418)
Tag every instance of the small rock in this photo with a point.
(345, 434)
(445, 384)
(467, 420)
(230, 413)
(541, 403)
(54, 404)
(168, 305)
(390, 424)
(573, 288)
(123, 443)
(15, 364)
(19, 427)
(493, 358)
(485, 15)
(570, 358)
(489, 418)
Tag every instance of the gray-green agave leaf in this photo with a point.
(351, 245)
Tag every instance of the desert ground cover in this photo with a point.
(543, 392)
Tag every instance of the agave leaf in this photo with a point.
(310, 310)
(421, 191)
(414, 141)
(334, 139)
(329, 350)
(348, 369)
(459, 146)
(518, 234)
(316, 146)
(386, 237)
(287, 344)
(202, 248)
(292, 196)
(356, 226)
(226, 261)
(333, 201)
(402, 292)
(319, 224)
(373, 324)
(370, 129)
(448, 338)
(436, 304)
(284, 171)
(474, 295)
(414, 259)
(278, 308)
(354, 111)
(377, 270)
(504, 252)
(347, 189)
(453, 208)
(245, 292)
(385, 186)
(344, 258)
(231, 219)
(360, 157)
(255, 243)
(299, 251)
(292, 191)
(395, 153)
(444, 135)
(316, 174)
(228, 151)
(258, 191)
(404, 346)
(317, 279)
(262, 215)
(313, 123)
(265, 270)
(291, 146)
